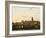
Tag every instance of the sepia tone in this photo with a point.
(22, 19)
(26, 25)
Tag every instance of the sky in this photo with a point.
(25, 13)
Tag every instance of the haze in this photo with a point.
(25, 13)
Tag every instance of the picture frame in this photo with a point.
(7, 18)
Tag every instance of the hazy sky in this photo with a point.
(22, 13)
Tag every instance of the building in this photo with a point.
(26, 25)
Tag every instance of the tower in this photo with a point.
(32, 18)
